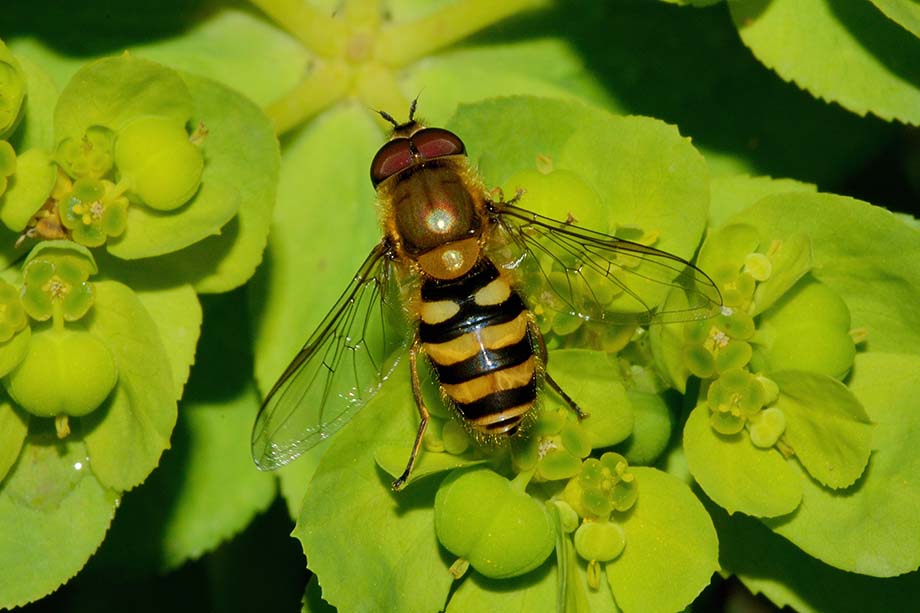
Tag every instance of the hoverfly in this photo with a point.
(454, 260)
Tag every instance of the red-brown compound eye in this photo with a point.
(390, 159)
(434, 143)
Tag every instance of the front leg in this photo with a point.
(422, 411)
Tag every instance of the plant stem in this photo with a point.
(322, 34)
(328, 83)
(403, 43)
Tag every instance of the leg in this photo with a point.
(422, 411)
(535, 332)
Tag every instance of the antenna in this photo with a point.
(401, 126)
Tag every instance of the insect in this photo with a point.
(454, 262)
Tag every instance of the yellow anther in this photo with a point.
(56, 288)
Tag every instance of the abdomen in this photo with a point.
(474, 330)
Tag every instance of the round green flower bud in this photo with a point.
(599, 541)
(64, 373)
(758, 266)
(810, 331)
(88, 157)
(163, 166)
(770, 389)
(568, 517)
(573, 495)
(651, 429)
(432, 441)
(767, 426)
(455, 438)
(502, 531)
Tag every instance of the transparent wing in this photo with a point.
(340, 367)
(597, 277)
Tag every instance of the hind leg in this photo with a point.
(535, 333)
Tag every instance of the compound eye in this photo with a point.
(437, 142)
(390, 159)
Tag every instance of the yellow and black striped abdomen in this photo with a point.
(475, 332)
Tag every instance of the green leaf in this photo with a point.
(660, 172)
(865, 254)
(128, 434)
(498, 149)
(876, 65)
(588, 377)
(652, 429)
(233, 46)
(392, 459)
(14, 426)
(177, 315)
(660, 182)
(226, 43)
(294, 478)
(36, 128)
(731, 194)
(315, 247)
(791, 578)
(535, 592)
(394, 561)
(791, 260)
(228, 166)
(313, 599)
(240, 130)
(826, 426)
(737, 475)
(113, 91)
(905, 13)
(205, 489)
(220, 489)
(28, 190)
(15, 89)
(878, 513)
(808, 329)
(53, 516)
(671, 547)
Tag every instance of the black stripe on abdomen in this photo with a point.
(485, 362)
(471, 317)
(497, 402)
